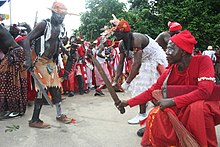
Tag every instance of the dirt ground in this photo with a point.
(98, 124)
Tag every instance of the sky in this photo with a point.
(25, 11)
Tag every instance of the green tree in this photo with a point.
(98, 14)
(143, 18)
(201, 17)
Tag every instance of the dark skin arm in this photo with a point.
(6, 40)
(34, 34)
(162, 102)
(166, 103)
(140, 42)
(162, 39)
(135, 66)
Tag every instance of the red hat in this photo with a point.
(184, 40)
(123, 26)
(109, 43)
(59, 8)
(174, 26)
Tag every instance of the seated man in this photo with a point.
(194, 110)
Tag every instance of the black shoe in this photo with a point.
(99, 92)
(9, 114)
(140, 132)
(71, 94)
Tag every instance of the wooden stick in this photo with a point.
(108, 84)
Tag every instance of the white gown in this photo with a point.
(152, 56)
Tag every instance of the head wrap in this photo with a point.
(184, 40)
(119, 25)
(174, 26)
(109, 43)
(59, 8)
(123, 26)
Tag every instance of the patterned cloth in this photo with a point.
(13, 82)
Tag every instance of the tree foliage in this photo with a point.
(98, 14)
(201, 17)
(198, 16)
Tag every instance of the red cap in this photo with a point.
(59, 8)
(174, 26)
(184, 40)
(123, 26)
(109, 43)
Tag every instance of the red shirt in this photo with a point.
(200, 66)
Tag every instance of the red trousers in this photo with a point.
(199, 118)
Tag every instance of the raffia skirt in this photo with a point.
(47, 72)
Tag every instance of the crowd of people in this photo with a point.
(43, 64)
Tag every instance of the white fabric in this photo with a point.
(152, 56)
(101, 60)
(125, 86)
(46, 36)
(210, 53)
(89, 77)
(47, 31)
(136, 120)
(60, 62)
(116, 58)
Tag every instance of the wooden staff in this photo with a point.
(108, 84)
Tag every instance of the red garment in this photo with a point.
(84, 76)
(68, 85)
(31, 92)
(82, 65)
(19, 38)
(81, 51)
(123, 26)
(194, 110)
